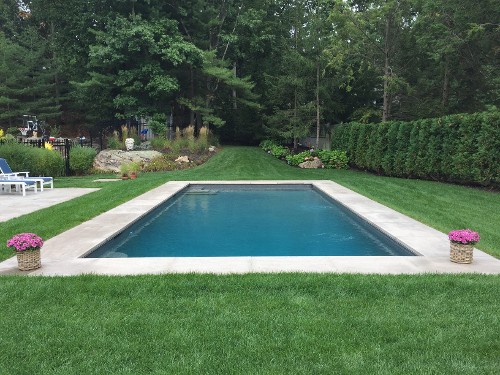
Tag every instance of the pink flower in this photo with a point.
(464, 236)
(25, 242)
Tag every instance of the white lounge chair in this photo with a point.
(6, 171)
(22, 185)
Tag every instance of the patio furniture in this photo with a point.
(22, 185)
(6, 171)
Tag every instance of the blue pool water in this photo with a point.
(216, 221)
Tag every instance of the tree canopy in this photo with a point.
(285, 68)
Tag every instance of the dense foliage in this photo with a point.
(460, 148)
(246, 68)
(81, 159)
(37, 161)
(330, 158)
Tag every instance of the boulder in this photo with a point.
(315, 163)
(182, 159)
(110, 160)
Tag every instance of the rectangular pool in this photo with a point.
(250, 220)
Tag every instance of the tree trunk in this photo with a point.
(191, 94)
(387, 71)
(446, 86)
(317, 106)
(295, 104)
(235, 104)
(295, 121)
(55, 64)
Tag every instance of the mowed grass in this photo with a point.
(257, 323)
(441, 206)
(250, 324)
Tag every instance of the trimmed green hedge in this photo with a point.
(81, 159)
(463, 148)
(37, 161)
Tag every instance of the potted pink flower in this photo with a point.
(27, 248)
(462, 243)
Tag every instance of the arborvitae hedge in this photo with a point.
(463, 148)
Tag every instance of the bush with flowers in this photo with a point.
(25, 242)
(464, 236)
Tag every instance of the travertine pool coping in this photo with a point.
(62, 255)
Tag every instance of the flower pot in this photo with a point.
(133, 175)
(461, 253)
(29, 260)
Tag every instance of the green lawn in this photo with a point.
(256, 324)
(250, 324)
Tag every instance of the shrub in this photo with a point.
(37, 161)
(113, 142)
(267, 144)
(402, 142)
(160, 143)
(334, 159)
(301, 157)
(462, 148)
(387, 162)
(49, 163)
(160, 163)
(8, 138)
(180, 144)
(279, 151)
(330, 159)
(81, 159)
(158, 128)
(13, 131)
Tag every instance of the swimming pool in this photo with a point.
(250, 220)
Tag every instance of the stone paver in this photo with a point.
(14, 204)
(62, 255)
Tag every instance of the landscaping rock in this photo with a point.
(110, 160)
(316, 163)
(182, 159)
(212, 149)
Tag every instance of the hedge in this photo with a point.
(37, 161)
(462, 148)
(81, 159)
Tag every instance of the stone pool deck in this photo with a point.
(62, 255)
(14, 204)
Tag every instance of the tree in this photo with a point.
(134, 58)
(457, 39)
(25, 78)
(371, 34)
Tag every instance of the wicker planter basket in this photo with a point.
(29, 260)
(461, 253)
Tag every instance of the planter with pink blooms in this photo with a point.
(27, 248)
(462, 243)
